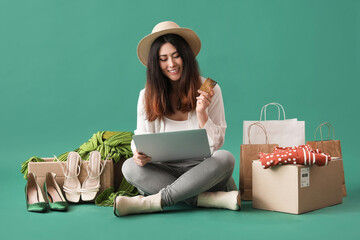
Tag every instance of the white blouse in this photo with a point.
(171, 125)
(215, 125)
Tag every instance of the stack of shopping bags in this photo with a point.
(288, 169)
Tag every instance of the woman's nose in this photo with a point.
(171, 62)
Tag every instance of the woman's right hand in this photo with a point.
(141, 159)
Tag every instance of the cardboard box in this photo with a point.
(41, 168)
(297, 188)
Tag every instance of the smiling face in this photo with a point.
(171, 64)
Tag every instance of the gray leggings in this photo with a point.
(181, 181)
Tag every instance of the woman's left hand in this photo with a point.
(202, 103)
(204, 100)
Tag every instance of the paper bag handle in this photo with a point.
(329, 126)
(262, 127)
(278, 105)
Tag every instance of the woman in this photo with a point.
(172, 101)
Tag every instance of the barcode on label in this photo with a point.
(305, 177)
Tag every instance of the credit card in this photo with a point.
(207, 85)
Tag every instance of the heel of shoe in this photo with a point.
(91, 185)
(35, 201)
(72, 186)
(54, 195)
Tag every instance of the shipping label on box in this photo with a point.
(305, 177)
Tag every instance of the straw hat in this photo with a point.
(163, 28)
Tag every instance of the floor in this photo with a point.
(87, 221)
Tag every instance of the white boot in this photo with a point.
(139, 204)
(219, 200)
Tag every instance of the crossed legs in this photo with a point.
(183, 182)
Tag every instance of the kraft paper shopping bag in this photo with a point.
(248, 153)
(329, 146)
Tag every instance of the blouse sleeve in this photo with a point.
(141, 118)
(216, 124)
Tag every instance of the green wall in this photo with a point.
(69, 68)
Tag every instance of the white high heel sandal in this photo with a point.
(91, 185)
(72, 184)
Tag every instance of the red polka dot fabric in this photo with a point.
(302, 154)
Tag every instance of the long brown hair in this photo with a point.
(158, 86)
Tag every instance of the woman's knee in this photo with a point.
(135, 174)
(225, 159)
(129, 169)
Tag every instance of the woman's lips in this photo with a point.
(174, 71)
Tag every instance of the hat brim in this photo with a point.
(189, 35)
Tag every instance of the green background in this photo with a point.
(69, 69)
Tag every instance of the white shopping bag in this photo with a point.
(286, 132)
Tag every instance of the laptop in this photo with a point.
(174, 146)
